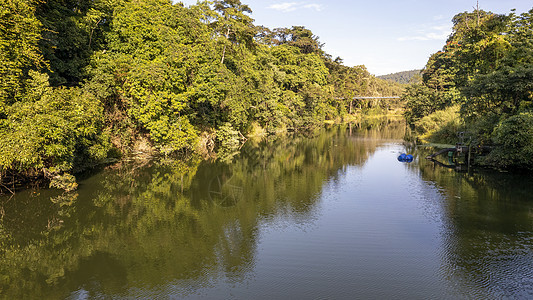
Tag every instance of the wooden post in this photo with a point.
(469, 154)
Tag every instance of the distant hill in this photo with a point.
(401, 77)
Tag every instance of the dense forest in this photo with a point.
(404, 77)
(480, 85)
(86, 81)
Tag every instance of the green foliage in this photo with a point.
(505, 91)
(514, 142)
(72, 30)
(66, 182)
(440, 126)
(52, 127)
(85, 79)
(297, 69)
(481, 47)
(20, 31)
(228, 140)
(440, 70)
(420, 101)
(151, 54)
(233, 23)
(297, 36)
(487, 67)
(348, 82)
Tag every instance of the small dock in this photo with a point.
(459, 150)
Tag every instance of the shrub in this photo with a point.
(52, 128)
(441, 126)
(514, 139)
(228, 141)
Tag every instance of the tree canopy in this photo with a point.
(88, 80)
(486, 68)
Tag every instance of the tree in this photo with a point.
(72, 30)
(157, 53)
(505, 91)
(298, 36)
(77, 75)
(514, 137)
(420, 101)
(52, 128)
(348, 82)
(20, 31)
(234, 24)
(487, 67)
(441, 68)
(481, 47)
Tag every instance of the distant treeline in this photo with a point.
(404, 77)
(84, 81)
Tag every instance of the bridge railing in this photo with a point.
(370, 98)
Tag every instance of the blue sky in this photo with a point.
(386, 36)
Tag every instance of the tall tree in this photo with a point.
(234, 25)
(20, 32)
(300, 37)
(72, 30)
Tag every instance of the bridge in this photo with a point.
(371, 98)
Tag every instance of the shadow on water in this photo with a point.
(487, 250)
(132, 229)
(135, 226)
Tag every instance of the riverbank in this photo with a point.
(213, 145)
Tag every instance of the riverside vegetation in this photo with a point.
(88, 81)
(481, 84)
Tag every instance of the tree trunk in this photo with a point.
(224, 51)
(223, 54)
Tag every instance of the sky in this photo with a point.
(386, 36)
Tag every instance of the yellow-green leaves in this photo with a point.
(19, 33)
(50, 128)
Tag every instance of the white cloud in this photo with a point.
(284, 7)
(292, 6)
(317, 7)
(442, 28)
(440, 32)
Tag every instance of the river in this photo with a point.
(329, 216)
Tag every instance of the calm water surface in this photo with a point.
(333, 216)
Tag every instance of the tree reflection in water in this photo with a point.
(141, 225)
(139, 229)
(487, 234)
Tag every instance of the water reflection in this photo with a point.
(135, 225)
(177, 228)
(488, 241)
